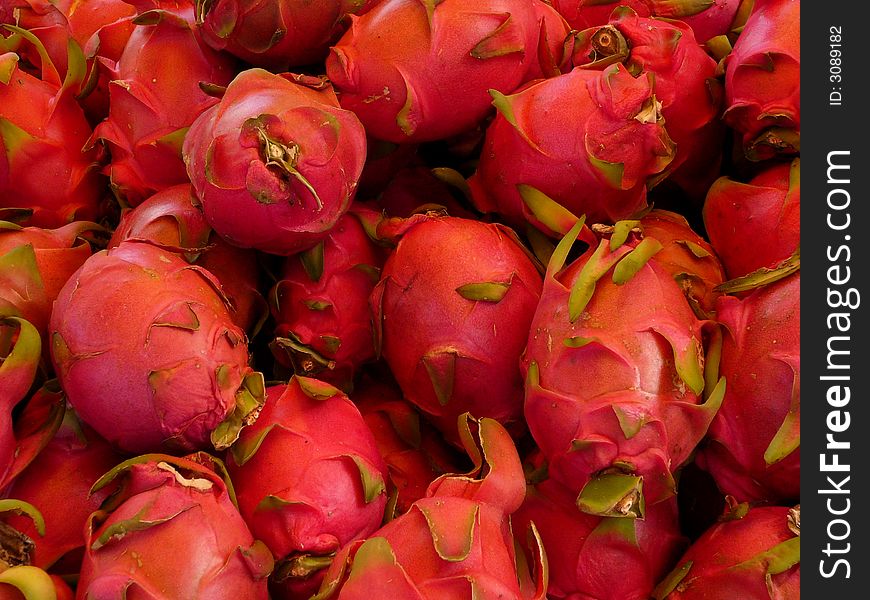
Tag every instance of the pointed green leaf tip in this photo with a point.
(14, 138)
(620, 233)
(8, 63)
(316, 389)
(613, 495)
(507, 38)
(32, 582)
(675, 9)
(763, 276)
(312, 262)
(788, 436)
(441, 367)
(372, 482)
(550, 213)
(629, 422)
(635, 260)
(24, 508)
(601, 261)
(452, 537)
(487, 291)
(250, 398)
(670, 583)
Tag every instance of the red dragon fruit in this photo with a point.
(687, 256)
(152, 102)
(173, 220)
(35, 264)
(415, 453)
(606, 558)
(42, 133)
(416, 189)
(686, 91)
(755, 225)
(170, 531)
(276, 163)
(321, 305)
(329, 494)
(452, 314)
(758, 459)
(751, 554)
(707, 18)
(276, 34)
(615, 374)
(454, 544)
(762, 80)
(145, 348)
(58, 484)
(419, 71)
(594, 159)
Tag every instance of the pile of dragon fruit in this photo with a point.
(399, 299)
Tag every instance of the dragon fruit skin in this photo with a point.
(42, 133)
(415, 71)
(263, 162)
(452, 313)
(606, 558)
(330, 494)
(454, 544)
(757, 224)
(566, 137)
(35, 264)
(321, 304)
(751, 554)
(762, 81)
(759, 461)
(172, 219)
(614, 371)
(58, 484)
(176, 504)
(152, 103)
(687, 256)
(415, 453)
(169, 370)
(276, 35)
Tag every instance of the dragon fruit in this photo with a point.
(415, 189)
(331, 493)
(321, 305)
(24, 582)
(414, 452)
(173, 220)
(276, 34)
(606, 558)
(751, 554)
(454, 544)
(759, 459)
(452, 314)
(419, 71)
(757, 224)
(615, 374)
(687, 256)
(762, 81)
(171, 530)
(276, 162)
(594, 159)
(152, 103)
(166, 371)
(42, 133)
(58, 484)
(35, 264)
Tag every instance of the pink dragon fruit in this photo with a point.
(415, 453)
(581, 159)
(276, 35)
(762, 81)
(751, 554)
(24, 582)
(42, 133)
(419, 71)
(707, 18)
(454, 544)
(276, 162)
(58, 484)
(755, 225)
(331, 493)
(452, 314)
(686, 90)
(170, 530)
(606, 558)
(166, 370)
(686, 256)
(321, 305)
(416, 189)
(173, 220)
(759, 459)
(35, 264)
(152, 102)
(615, 373)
